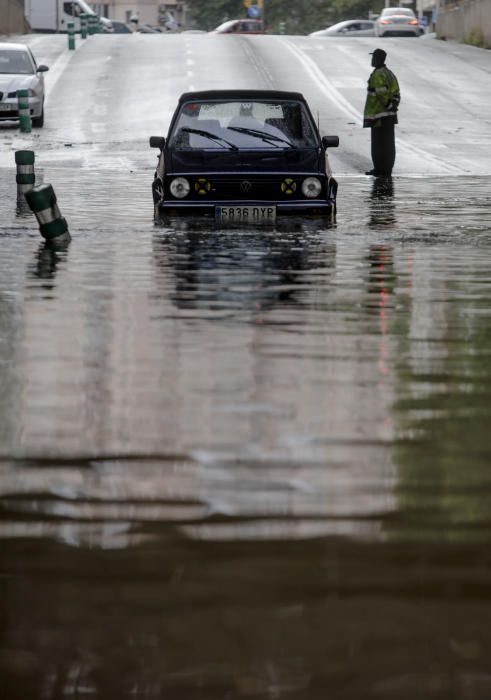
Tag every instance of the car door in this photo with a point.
(366, 29)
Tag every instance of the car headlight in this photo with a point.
(179, 187)
(13, 94)
(311, 187)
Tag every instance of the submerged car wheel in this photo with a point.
(39, 121)
(157, 190)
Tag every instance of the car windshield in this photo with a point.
(12, 61)
(237, 124)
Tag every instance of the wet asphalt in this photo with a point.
(247, 463)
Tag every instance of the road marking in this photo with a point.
(56, 71)
(329, 89)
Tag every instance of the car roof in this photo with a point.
(9, 45)
(397, 10)
(241, 95)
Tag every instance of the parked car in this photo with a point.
(121, 27)
(397, 21)
(148, 29)
(243, 156)
(19, 71)
(350, 27)
(240, 26)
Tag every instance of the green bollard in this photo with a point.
(42, 202)
(99, 25)
(25, 121)
(71, 35)
(83, 25)
(25, 177)
(282, 27)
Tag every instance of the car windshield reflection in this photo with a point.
(15, 63)
(235, 124)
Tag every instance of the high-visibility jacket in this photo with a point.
(383, 97)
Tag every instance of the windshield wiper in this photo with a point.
(209, 135)
(261, 135)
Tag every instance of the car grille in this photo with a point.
(281, 188)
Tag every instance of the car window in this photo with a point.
(254, 125)
(12, 61)
(250, 27)
(71, 8)
(397, 11)
(336, 27)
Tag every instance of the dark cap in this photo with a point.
(379, 54)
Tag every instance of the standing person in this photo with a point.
(380, 114)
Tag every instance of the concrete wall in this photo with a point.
(467, 20)
(12, 20)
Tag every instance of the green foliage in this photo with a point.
(476, 38)
(300, 17)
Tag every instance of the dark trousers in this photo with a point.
(384, 147)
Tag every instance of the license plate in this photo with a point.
(246, 215)
(6, 107)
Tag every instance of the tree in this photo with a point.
(300, 17)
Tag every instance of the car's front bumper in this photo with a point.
(314, 207)
(12, 111)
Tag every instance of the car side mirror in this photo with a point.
(330, 142)
(157, 142)
(42, 69)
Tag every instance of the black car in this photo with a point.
(243, 156)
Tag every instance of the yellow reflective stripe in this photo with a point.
(380, 114)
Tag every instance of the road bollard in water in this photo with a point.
(42, 201)
(83, 25)
(25, 177)
(71, 35)
(91, 24)
(25, 121)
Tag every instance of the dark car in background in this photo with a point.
(243, 156)
(120, 27)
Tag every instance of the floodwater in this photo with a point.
(246, 464)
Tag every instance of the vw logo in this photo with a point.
(245, 186)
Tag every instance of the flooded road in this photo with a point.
(244, 463)
(248, 463)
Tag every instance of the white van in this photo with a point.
(54, 15)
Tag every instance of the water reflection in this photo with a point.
(250, 465)
(382, 204)
(233, 271)
(22, 210)
(46, 261)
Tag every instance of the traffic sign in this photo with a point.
(254, 11)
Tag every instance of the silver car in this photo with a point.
(350, 27)
(397, 21)
(19, 71)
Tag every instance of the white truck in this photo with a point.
(53, 15)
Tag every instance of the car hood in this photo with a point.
(9, 82)
(311, 159)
